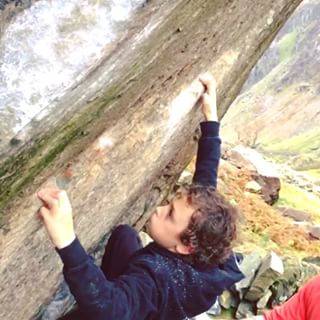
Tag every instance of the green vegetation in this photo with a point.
(287, 44)
(301, 152)
(225, 315)
(295, 197)
(315, 173)
(304, 142)
(19, 170)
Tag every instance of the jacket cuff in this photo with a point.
(73, 255)
(210, 128)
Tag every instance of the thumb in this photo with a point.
(43, 213)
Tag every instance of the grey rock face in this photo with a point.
(270, 187)
(287, 283)
(249, 266)
(215, 309)
(3, 3)
(253, 186)
(313, 260)
(308, 270)
(271, 268)
(262, 303)
(314, 231)
(245, 310)
(237, 159)
(227, 300)
(296, 215)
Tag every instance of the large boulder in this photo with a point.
(263, 301)
(274, 282)
(262, 171)
(249, 267)
(253, 187)
(296, 215)
(314, 231)
(118, 139)
(270, 187)
(288, 282)
(245, 310)
(271, 268)
(227, 300)
(237, 159)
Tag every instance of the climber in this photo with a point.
(177, 276)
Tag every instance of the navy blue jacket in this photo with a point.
(157, 284)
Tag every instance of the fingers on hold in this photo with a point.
(206, 77)
(48, 199)
(48, 191)
(208, 81)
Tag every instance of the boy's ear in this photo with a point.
(182, 249)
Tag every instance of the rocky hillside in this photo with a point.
(253, 184)
(278, 111)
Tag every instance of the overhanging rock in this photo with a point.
(120, 137)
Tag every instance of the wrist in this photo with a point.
(73, 255)
(211, 117)
(65, 242)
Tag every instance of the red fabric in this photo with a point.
(304, 305)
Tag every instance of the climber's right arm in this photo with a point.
(209, 145)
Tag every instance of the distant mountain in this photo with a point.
(278, 111)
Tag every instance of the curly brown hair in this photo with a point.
(212, 227)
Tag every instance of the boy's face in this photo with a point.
(168, 222)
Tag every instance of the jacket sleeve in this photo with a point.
(132, 296)
(208, 155)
